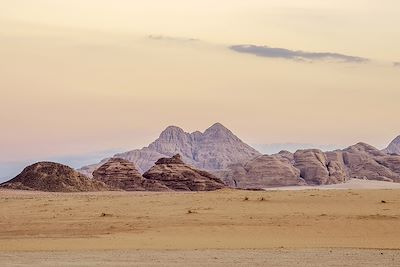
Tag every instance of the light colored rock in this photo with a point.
(263, 171)
(394, 146)
(313, 166)
(366, 162)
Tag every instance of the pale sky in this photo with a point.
(78, 77)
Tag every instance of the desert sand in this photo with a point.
(350, 184)
(226, 227)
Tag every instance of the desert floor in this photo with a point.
(228, 227)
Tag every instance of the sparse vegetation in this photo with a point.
(191, 212)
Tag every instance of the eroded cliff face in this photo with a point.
(314, 167)
(263, 171)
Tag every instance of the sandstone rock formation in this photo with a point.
(53, 177)
(394, 146)
(263, 171)
(317, 169)
(120, 174)
(215, 149)
(176, 175)
(314, 167)
(366, 162)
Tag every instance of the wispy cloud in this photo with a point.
(172, 38)
(270, 52)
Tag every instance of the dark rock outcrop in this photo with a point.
(53, 177)
(176, 175)
(120, 174)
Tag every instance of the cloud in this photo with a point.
(270, 52)
(171, 38)
(396, 64)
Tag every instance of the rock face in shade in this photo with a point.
(176, 175)
(394, 146)
(120, 174)
(213, 150)
(53, 177)
(263, 171)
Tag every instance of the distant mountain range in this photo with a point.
(291, 147)
(178, 160)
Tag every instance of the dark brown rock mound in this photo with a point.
(264, 171)
(121, 174)
(176, 175)
(177, 159)
(53, 177)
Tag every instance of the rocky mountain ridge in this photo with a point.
(314, 167)
(215, 149)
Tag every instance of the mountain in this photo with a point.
(314, 167)
(214, 149)
(394, 146)
(178, 176)
(53, 177)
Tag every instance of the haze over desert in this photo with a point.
(199, 133)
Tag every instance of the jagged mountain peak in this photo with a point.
(172, 131)
(217, 127)
(394, 146)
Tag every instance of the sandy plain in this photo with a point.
(223, 228)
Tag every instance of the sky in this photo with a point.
(81, 79)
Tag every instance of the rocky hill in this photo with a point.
(120, 174)
(215, 149)
(53, 177)
(314, 167)
(178, 176)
